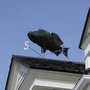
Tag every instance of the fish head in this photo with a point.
(37, 35)
(33, 36)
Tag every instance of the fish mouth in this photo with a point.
(31, 36)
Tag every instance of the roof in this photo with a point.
(84, 28)
(47, 64)
(51, 64)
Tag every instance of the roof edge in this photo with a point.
(51, 64)
(8, 77)
(40, 58)
(84, 28)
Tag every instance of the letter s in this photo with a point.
(26, 45)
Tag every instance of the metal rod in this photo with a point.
(36, 52)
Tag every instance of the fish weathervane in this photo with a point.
(48, 41)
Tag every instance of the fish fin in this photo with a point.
(57, 38)
(57, 52)
(65, 52)
(43, 50)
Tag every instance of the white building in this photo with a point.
(84, 82)
(30, 73)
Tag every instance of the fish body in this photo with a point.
(48, 41)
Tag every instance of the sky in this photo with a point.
(18, 17)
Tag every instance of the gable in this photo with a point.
(86, 30)
(16, 75)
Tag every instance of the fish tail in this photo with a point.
(65, 51)
(62, 50)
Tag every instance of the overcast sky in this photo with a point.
(18, 17)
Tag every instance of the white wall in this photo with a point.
(18, 73)
(49, 79)
(88, 87)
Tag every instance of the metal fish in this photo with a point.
(48, 41)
